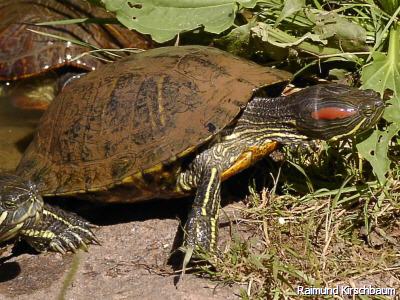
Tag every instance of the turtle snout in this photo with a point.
(378, 103)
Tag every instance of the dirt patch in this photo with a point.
(32, 273)
(131, 263)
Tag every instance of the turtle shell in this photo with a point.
(24, 53)
(134, 114)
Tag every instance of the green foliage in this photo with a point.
(350, 35)
(375, 149)
(383, 73)
(164, 19)
(290, 7)
(392, 114)
(389, 6)
(237, 41)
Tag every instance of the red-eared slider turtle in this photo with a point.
(165, 123)
(25, 54)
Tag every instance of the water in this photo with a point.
(16, 130)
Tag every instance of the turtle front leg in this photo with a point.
(24, 215)
(59, 231)
(201, 229)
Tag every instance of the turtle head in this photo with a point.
(20, 205)
(335, 111)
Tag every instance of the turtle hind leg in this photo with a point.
(59, 231)
(201, 228)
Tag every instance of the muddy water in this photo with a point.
(16, 129)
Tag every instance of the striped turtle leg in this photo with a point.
(24, 215)
(201, 227)
(59, 231)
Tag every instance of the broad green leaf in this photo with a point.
(350, 35)
(291, 7)
(279, 38)
(164, 19)
(392, 112)
(250, 3)
(384, 71)
(375, 148)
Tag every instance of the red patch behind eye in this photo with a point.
(331, 113)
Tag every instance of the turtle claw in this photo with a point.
(61, 232)
(72, 239)
(57, 248)
(95, 240)
(84, 247)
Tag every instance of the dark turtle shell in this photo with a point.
(24, 53)
(135, 114)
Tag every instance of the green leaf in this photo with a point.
(64, 22)
(282, 39)
(339, 73)
(164, 19)
(237, 41)
(77, 21)
(350, 35)
(392, 112)
(291, 7)
(384, 71)
(389, 6)
(250, 3)
(375, 149)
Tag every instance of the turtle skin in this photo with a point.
(164, 123)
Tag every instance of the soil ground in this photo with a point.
(132, 262)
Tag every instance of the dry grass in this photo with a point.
(345, 236)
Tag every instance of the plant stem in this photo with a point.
(394, 43)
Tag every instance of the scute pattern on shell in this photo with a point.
(131, 115)
(24, 53)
